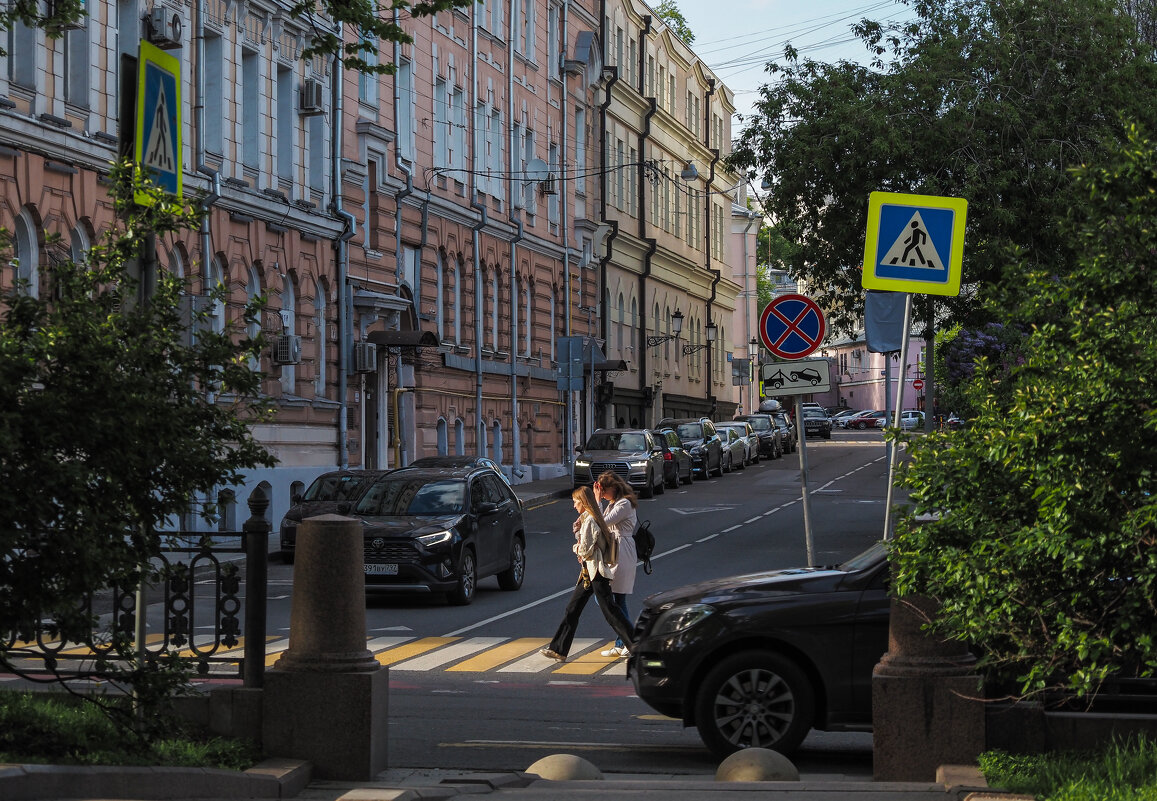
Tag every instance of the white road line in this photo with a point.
(752, 520)
(450, 653)
(382, 643)
(536, 662)
(708, 537)
(729, 530)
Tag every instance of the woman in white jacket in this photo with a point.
(619, 505)
(595, 549)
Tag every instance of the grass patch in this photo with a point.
(1122, 771)
(59, 729)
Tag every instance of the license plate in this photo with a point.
(382, 570)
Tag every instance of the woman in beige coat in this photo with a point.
(595, 549)
(619, 505)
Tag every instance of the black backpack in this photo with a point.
(644, 544)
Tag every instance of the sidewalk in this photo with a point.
(538, 493)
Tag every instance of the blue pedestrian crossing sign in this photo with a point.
(157, 141)
(915, 243)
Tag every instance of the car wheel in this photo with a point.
(649, 487)
(742, 463)
(861, 425)
(754, 699)
(511, 578)
(718, 472)
(755, 458)
(675, 481)
(726, 460)
(690, 476)
(467, 579)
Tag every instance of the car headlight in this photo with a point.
(639, 463)
(697, 450)
(436, 539)
(681, 618)
(582, 462)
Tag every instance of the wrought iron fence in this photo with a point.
(195, 611)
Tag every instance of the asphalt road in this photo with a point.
(454, 707)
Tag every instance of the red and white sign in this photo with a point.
(918, 384)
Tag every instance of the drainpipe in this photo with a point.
(564, 210)
(199, 125)
(341, 251)
(751, 218)
(400, 457)
(707, 227)
(604, 172)
(476, 241)
(516, 449)
(652, 243)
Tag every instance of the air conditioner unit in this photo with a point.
(856, 354)
(549, 186)
(311, 98)
(166, 26)
(287, 349)
(365, 357)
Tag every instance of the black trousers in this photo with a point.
(601, 589)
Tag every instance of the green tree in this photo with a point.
(113, 418)
(1043, 554)
(669, 11)
(989, 100)
(372, 21)
(773, 252)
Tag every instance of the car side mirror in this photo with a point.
(578, 450)
(487, 508)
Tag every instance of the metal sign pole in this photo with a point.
(807, 507)
(907, 334)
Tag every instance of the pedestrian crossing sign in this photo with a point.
(915, 243)
(157, 145)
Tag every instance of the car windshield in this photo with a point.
(866, 559)
(607, 441)
(781, 419)
(414, 496)
(691, 431)
(333, 488)
(807, 412)
(760, 423)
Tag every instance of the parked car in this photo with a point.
(630, 453)
(787, 435)
(701, 440)
(677, 464)
(866, 419)
(770, 445)
(909, 419)
(761, 659)
(839, 417)
(816, 422)
(734, 449)
(330, 493)
(748, 436)
(441, 530)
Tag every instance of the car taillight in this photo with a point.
(667, 457)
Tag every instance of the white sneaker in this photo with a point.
(612, 651)
(624, 652)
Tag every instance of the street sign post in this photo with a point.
(915, 243)
(792, 326)
(796, 378)
(157, 145)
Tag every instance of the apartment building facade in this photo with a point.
(436, 245)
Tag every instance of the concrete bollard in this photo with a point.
(926, 707)
(326, 697)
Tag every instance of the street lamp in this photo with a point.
(687, 349)
(676, 326)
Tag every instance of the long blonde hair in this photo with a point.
(587, 503)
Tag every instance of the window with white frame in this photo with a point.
(580, 150)
(412, 270)
(285, 122)
(553, 49)
(456, 274)
(620, 329)
(492, 291)
(250, 133)
(441, 121)
(552, 204)
(368, 81)
(77, 66)
(527, 300)
(525, 27)
(440, 298)
(26, 255)
(405, 108)
(215, 89)
(320, 338)
(316, 151)
(456, 157)
(289, 326)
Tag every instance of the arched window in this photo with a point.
(26, 255)
(459, 438)
(527, 339)
(443, 437)
(619, 332)
(456, 294)
(553, 323)
(634, 322)
(321, 337)
(440, 298)
(78, 245)
(492, 291)
(496, 453)
(214, 279)
(252, 292)
(289, 326)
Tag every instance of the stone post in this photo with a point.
(926, 707)
(326, 697)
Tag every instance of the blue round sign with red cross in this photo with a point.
(792, 326)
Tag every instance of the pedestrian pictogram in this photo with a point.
(915, 243)
(792, 326)
(157, 138)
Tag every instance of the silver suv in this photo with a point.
(631, 453)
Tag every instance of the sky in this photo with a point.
(737, 37)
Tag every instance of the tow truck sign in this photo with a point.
(796, 378)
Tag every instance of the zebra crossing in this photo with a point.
(416, 654)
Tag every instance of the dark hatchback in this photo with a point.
(431, 530)
(770, 442)
(330, 493)
(678, 467)
(759, 660)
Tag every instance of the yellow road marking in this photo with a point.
(507, 652)
(410, 650)
(589, 663)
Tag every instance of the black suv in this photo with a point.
(816, 422)
(761, 659)
(701, 440)
(441, 530)
(330, 493)
(770, 444)
(677, 466)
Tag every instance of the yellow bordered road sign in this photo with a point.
(157, 140)
(915, 243)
